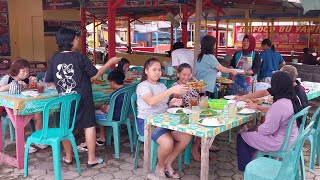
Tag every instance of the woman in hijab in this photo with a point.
(249, 61)
(269, 136)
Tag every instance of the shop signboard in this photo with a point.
(51, 27)
(60, 4)
(4, 29)
(283, 36)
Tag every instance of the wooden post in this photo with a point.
(83, 28)
(227, 33)
(197, 28)
(250, 24)
(309, 35)
(217, 33)
(94, 41)
(129, 35)
(246, 16)
(271, 31)
(171, 37)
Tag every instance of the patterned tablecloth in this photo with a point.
(171, 121)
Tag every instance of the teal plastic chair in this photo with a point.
(54, 136)
(313, 138)
(40, 76)
(106, 120)
(270, 169)
(281, 152)
(154, 145)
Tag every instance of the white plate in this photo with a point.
(211, 122)
(30, 93)
(246, 111)
(239, 70)
(230, 97)
(241, 104)
(174, 110)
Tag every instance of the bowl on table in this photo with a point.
(217, 104)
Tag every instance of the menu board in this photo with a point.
(4, 29)
(282, 35)
(51, 27)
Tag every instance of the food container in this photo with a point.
(217, 104)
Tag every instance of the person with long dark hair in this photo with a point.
(247, 60)
(152, 99)
(269, 136)
(207, 65)
(71, 72)
(272, 61)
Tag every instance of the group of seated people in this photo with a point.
(71, 72)
(309, 57)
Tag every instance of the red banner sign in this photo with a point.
(283, 36)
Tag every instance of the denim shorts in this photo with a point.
(157, 132)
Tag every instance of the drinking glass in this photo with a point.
(193, 101)
(40, 87)
(194, 115)
(232, 110)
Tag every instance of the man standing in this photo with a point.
(181, 55)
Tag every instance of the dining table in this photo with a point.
(206, 133)
(21, 109)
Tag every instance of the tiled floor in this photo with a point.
(222, 167)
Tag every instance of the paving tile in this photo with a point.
(109, 169)
(123, 174)
(70, 175)
(103, 176)
(126, 166)
(190, 177)
(225, 173)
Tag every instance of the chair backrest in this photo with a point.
(127, 92)
(40, 76)
(289, 165)
(316, 118)
(134, 111)
(137, 68)
(67, 105)
(286, 140)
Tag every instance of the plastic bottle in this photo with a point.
(225, 110)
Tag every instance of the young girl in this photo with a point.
(19, 71)
(71, 73)
(184, 73)
(153, 98)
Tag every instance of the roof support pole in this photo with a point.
(272, 30)
(83, 28)
(227, 35)
(246, 16)
(171, 37)
(94, 41)
(197, 37)
(184, 25)
(129, 35)
(217, 33)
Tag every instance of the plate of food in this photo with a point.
(230, 97)
(212, 121)
(99, 82)
(208, 112)
(241, 104)
(30, 93)
(255, 100)
(178, 110)
(246, 111)
(224, 80)
(196, 85)
(239, 70)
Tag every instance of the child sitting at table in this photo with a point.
(123, 66)
(115, 79)
(184, 73)
(71, 73)
(152, 99)
(19, 71)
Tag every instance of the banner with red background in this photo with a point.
(284, 37)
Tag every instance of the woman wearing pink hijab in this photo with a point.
(249, 61)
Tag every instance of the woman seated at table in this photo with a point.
(19, 71)
(269, 136)
(152, 99)
(123, 66)
(249, 61)
(299, 91)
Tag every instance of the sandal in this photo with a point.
(32, 150)
(67, 162)
(100, 143)
(174, 175)
(82, 147)
(99, 161)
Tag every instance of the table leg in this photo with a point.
(205, 146)
(1, 142)
(19, 123)
(147, 143)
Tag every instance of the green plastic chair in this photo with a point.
(154, 145)
(40, 76)
(106, 120)
(269, 169)
(313, 138)
(54, 136)
(281, 152)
